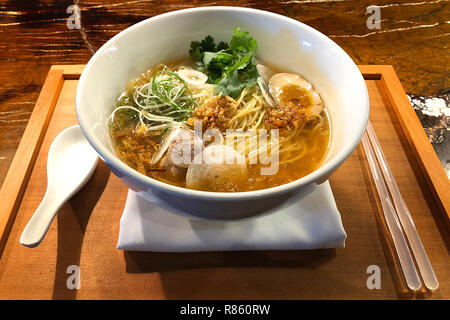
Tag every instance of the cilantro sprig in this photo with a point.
(206, 45)
(232, 67)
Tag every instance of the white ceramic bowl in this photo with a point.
(281, 40)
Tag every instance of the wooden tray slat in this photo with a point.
(86, 229)
(423, 150)
(18, 173)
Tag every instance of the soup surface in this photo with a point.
(218, 120)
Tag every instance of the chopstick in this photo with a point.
(406, 261)
(426, 270)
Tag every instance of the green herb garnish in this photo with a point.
(171, 90)
(206, 45)
(232, 67)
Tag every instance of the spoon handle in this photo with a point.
(39, 223)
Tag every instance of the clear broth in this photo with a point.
(136, 149)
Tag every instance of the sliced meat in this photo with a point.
(176, 160)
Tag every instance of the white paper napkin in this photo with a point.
(310, 223)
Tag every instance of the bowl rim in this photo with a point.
(323, 171)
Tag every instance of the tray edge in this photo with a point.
(19, 172)
(426, 157)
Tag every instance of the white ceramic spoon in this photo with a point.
(70, 164)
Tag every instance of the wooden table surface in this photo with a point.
(414, 38)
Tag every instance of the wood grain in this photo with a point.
(16, 180)
(86, 229)
(426, 157)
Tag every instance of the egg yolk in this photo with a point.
(295, 94)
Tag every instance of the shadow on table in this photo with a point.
(146, 262)
(237, 275)
(70, 237)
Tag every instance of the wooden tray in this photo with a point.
(86, 229)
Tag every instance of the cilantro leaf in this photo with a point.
(195, 50)
(198, 48)
(231, 66)
(222, 46)
(243, 42)
(219, 59)
(208, 44)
